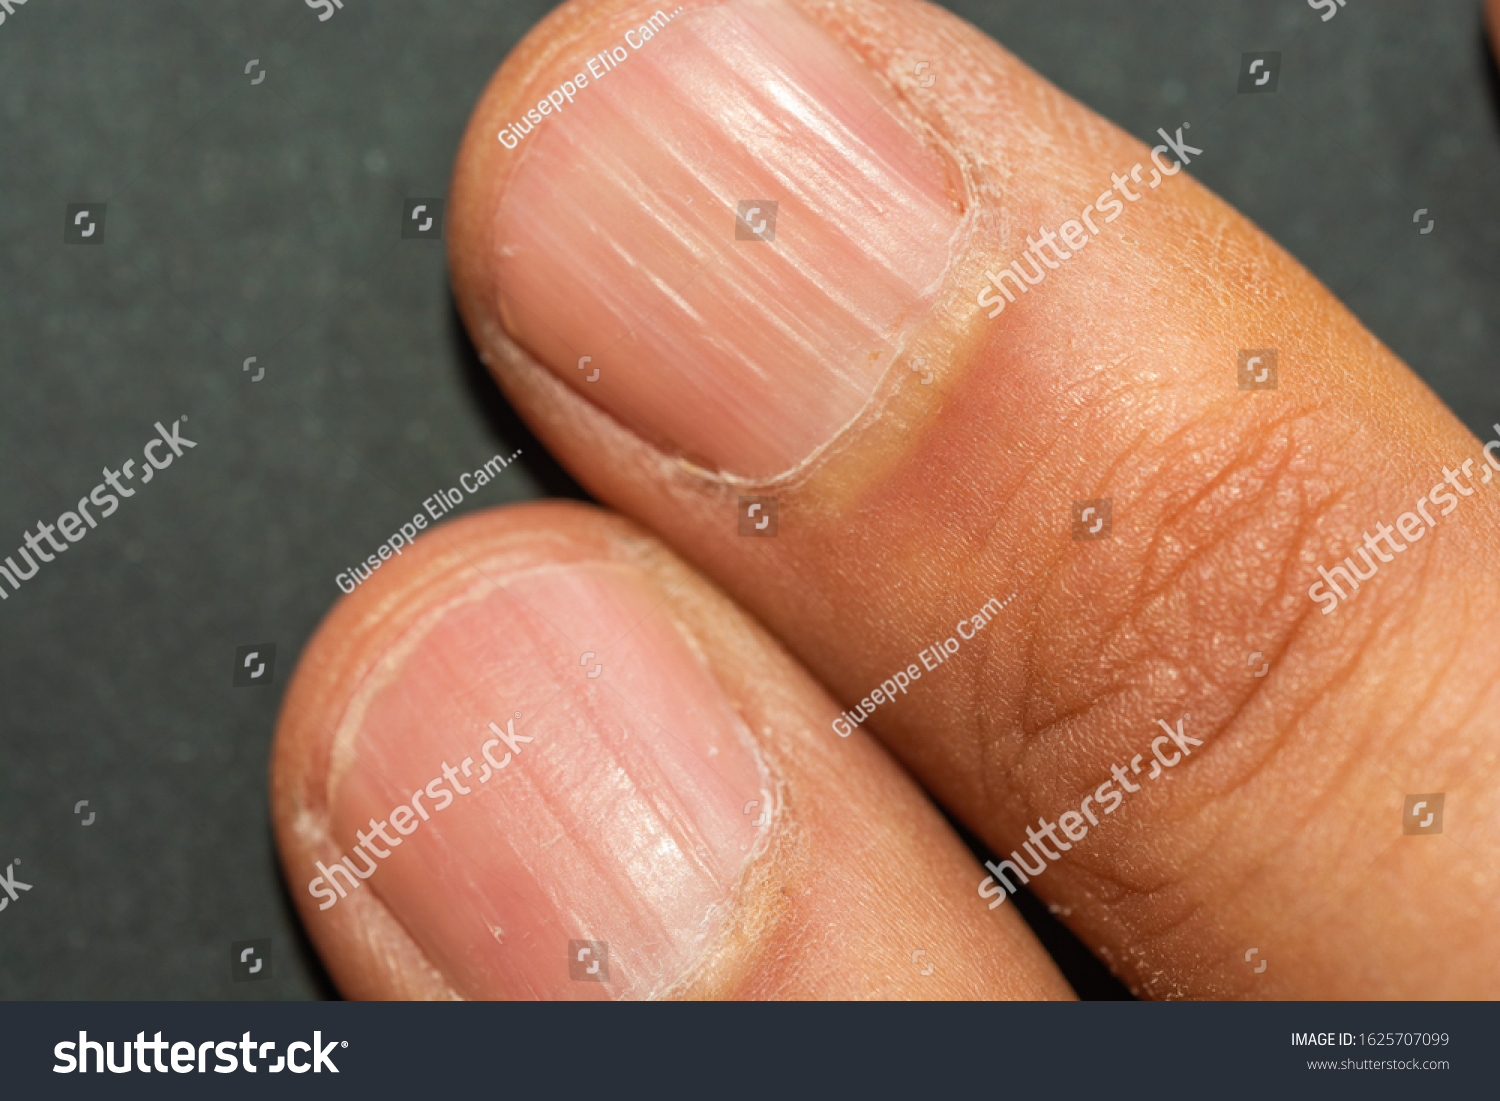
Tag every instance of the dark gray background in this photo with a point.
(263, 220)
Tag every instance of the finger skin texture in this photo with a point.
(1113, 378)
(855, 874)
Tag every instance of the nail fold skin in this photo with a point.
(611, 810)
(616, 237)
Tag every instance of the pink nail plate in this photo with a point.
(625, 235)
(610, 816)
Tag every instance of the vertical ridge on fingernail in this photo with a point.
(745, 342)
(610, 813)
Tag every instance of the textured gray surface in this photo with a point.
(262, 220)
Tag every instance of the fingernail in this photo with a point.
(744, 341)
(609, 814)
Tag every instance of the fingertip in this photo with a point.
(669, 815)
